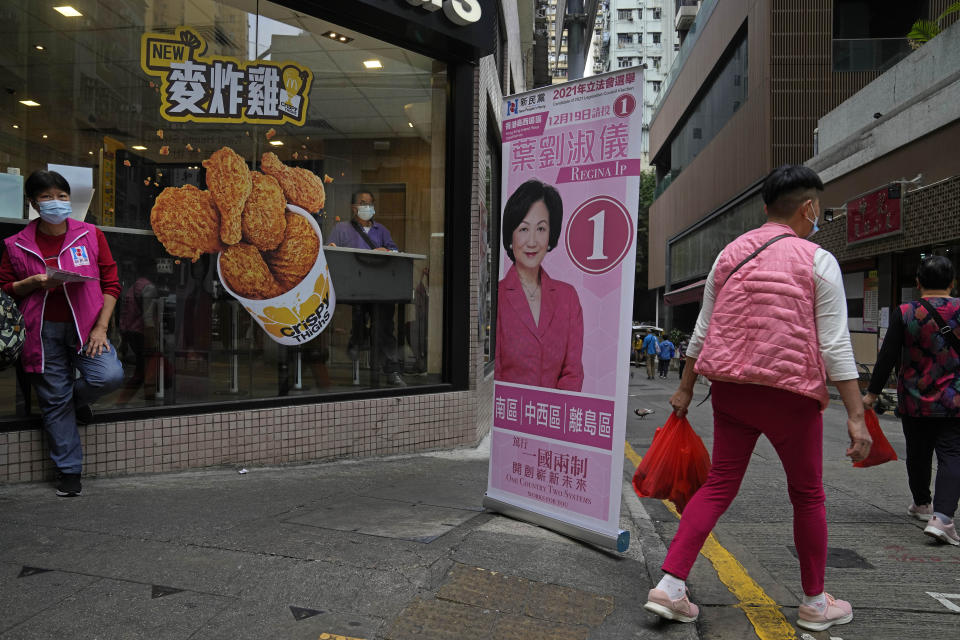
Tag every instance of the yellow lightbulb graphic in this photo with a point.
(292, 83)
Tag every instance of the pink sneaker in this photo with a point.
(922, 512)
(942, 532)
(836, 612)
(681, 610)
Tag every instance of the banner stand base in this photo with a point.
(620, 542)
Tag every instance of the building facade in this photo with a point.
(744, 95)
(888, 160)
(390, 98)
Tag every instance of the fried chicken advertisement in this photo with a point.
(186, 222)
(270, 257)
(301, 187)
(228, 179)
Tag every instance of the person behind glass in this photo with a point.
(362, 232)
(665, 355)
(650, 347)
(540, 321)
(928, 394)
(66, 322)
(138, 330)
(773, 324)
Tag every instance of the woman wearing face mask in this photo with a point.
(539, 321)
(66, 322)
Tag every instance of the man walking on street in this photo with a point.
(772, 324)
(650, 348)
(665, 355)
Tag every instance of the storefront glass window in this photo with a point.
(128, 117)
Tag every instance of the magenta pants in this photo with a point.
(794, 426)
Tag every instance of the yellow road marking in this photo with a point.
(333, 636)
(761, 610)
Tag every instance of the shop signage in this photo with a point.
(876, 214)
(459, 12)
(196, 88)
(463, 30)
(571, 158)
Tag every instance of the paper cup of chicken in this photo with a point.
(287, 290)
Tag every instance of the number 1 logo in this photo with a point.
(599, 235)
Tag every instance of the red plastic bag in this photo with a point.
(676, 464)
(880, 450)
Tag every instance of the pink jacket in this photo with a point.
(548, 354)
(763, 329)
(79, 254)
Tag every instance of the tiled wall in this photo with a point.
(305, 433)
(355, 429)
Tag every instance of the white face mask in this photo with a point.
(365, 211)
(815, 221)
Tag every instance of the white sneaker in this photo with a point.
(923, 512)
(943, 532)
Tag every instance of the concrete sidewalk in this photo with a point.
(382, 548)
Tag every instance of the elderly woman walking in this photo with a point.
(922, 340)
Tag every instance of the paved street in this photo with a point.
(400, 548)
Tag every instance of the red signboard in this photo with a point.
(874, 215)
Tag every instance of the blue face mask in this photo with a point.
(54, 211)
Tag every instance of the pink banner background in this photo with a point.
(518, 466)
(571, 422)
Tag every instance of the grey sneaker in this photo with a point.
(923, 512)
(937, 528)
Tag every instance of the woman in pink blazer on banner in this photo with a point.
(539, 319)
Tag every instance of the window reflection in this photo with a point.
(183, 338)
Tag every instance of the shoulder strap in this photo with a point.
(754, 255)
(946, 331)
(363, 234)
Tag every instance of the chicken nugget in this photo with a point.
(296, 255)
(263, 222)
(245, 272)
(228, 179)
(301, 187)
(186, 222)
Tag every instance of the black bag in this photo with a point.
(12, 331)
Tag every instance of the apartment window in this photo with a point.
(656, 14)
(624, 39)
(624, 62)
(639, 38)
(655, 61)
(655, 35)
(655, 86)
(676, 46)
(624, 14)
(639, 14)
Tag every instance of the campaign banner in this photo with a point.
(571, 183)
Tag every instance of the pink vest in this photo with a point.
(763, 329)
(79, 254)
